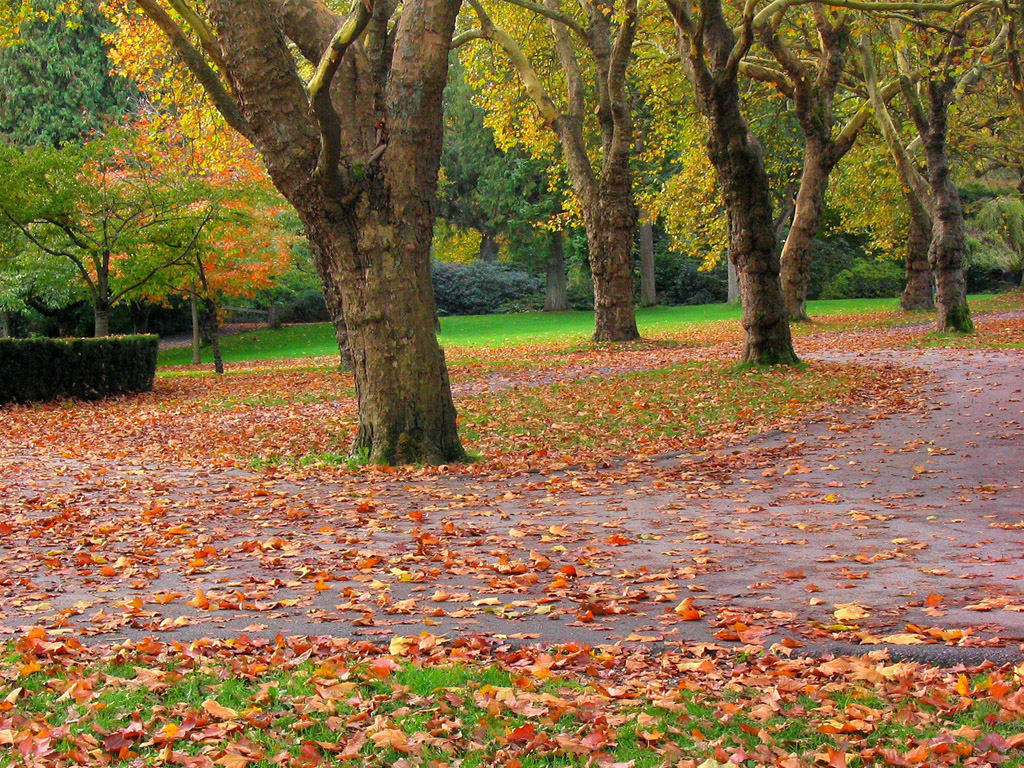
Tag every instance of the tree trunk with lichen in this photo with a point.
(610, 222)
(736, 155)
(810, 205)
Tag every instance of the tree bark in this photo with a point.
(648, 292)
(711, 64)
(211, 329)
(606, 195)
(796, 252)
(5, 324)
(101, 320)
(488, 249)
(196, 334)
(362, 176)
(555, 295)
(733, 295)
(610, 223)
(949, 233)
(918, 292)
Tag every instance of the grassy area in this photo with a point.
(497, 331)
(237, 706)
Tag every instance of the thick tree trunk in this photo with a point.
(370, 213)
(737, 158)
(488, 249)
(555, 295)
(949, 233)
(610, 222)
(918, 292)
(796, 253)
(196, 332)
(648, 292)
(406, 412)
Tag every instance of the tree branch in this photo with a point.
(194, 60)
(319, 89)
(553, 14)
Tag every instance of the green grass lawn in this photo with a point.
(496, 331)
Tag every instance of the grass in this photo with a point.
(380, 711)
(498, 331)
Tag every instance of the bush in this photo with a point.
(866, 279)
(829, 257)
(307, 307)
(693, 285)
(47, 369)
(483, 288)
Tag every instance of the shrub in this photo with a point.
(829, 257)
(306, 307)
(693, 285)
(866, 279)
(483, 288)
(47, 369)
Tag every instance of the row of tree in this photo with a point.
(345, 108)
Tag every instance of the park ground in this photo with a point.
(657, 558)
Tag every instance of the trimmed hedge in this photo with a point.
(48, 369)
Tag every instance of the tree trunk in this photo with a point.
(737, 157)
(5, 324)
(918, 292)
(488, 249)
(101, 320)
(211, 328)
(196, 337)
(796, 253)
(406, 412)
(360, 166)
(733, 295)
(610, 221)
(648, 292)
(555, 295)
(738, 160)
(949, 233)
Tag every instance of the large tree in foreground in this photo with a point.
(355, 148)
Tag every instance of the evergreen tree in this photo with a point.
(56, 80)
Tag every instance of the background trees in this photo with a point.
(113, 219)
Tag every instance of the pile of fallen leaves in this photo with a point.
(425, 701)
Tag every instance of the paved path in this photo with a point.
(911, 526)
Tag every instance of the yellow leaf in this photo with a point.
(399, 646)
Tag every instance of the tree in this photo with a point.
(597, 44)
(501, 194)
(355, 148)
(56, 78)
(711, 54)
(115, 221)
(945, 53)
(811, 56)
